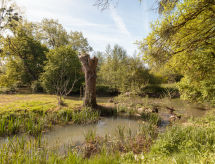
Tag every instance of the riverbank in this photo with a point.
(36, 113)
(143, 140)
(191, 142)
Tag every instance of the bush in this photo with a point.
(7, 90)
(197, 91)
(180, 139)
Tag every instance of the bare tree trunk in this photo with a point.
(89, 68)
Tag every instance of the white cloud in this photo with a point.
(73, 17)
(119, 21)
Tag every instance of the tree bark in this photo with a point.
(89, 68)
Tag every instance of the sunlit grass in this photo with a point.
(35, 113)
(20, 102)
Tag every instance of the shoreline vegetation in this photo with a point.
(33, 114)
(37, 113)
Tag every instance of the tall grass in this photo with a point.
(84, 116)
(34, 122)
(192, 143)
(153, 118)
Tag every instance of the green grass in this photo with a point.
(193, 142)
(34, 123)
(153, 118)
(33, 102)
(35, 113)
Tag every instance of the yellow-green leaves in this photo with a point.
(184, 41)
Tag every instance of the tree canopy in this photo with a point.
(122, 72)
(54, 35)
(24, 57)
(183, 41)
(8, 13)
(62, 69)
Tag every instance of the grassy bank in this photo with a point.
(34, 114)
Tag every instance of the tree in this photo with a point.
(89, 67)
(183, 41)
(62, 72)
(163, 6)
(52, 33)
(99, 55)
(8, 14)
(23, 56)
(78, 42)
(121, 72)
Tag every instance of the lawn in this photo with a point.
(19, 102)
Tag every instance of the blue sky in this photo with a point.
(122, 24)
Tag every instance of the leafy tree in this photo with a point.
(121, 72)
(8, 13)
(23, 56)
(62, 72)
(52, 33)
(78, 42)
(112, 67)
(183, 41)
(99, 55)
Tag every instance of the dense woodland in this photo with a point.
(172, 72)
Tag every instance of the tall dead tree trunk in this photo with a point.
(89, 68)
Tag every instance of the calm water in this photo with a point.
(75, 134)
(60, 137)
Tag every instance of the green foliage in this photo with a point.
(78, 42)
(9, 14)
(183, 42)
(121, 72)
(24, 58)
(54, 35)
(35, 113)
(85, 116)
(62, 69)
(9, 126)
(192, 143)
(35, 121)
(198, 83)
(159, 91)
(153, 118)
